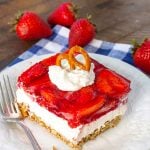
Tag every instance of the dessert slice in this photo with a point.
(73, 95)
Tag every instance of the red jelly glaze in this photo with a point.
(79, 107)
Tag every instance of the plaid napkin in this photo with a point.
(58, 42)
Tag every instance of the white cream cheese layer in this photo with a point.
(60, 125)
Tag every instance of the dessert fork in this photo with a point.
(9, 109)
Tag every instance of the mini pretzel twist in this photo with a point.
(73, 62)
(78, 49)
(64, 56)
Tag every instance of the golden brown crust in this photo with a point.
(109, 124)
(54, 148)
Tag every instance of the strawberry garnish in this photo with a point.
(110, 83)
(81, 33)
(63, 15)
(30, 26)
(141, 56)
(92, 107)
(86, 95)
(37, 85)
(36, 71)
(49, 96)
(32, 73)
(81, 96)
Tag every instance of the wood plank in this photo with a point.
(116, 20)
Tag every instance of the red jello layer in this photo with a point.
(79, 107)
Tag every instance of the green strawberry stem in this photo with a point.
(75, 8)
(15, 20)
(136, 45)
(89, 17)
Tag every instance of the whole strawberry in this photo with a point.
(30, 26)
(141, 56)
(63, 15)
(81, 33)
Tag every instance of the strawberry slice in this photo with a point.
(109, 105)
(37, 85)
(32, 73)
(86, 95)
(91, 107)
(49, 96)
(37, 70)
(112, 84)
(81, 96)
(72, 97)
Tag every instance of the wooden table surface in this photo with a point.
(116, 20)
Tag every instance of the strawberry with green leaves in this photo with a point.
(65, 15)
(81, 33)
(30, 26)
(141, 56)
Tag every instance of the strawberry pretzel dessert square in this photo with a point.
(74, 96)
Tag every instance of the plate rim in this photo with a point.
(143, 76)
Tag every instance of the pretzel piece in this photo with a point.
(62, 56)
(78, 49)
(73, 62)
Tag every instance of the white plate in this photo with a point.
(133, 132)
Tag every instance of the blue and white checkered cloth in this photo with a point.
(58, 42)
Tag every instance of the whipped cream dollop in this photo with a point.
(71, 80)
